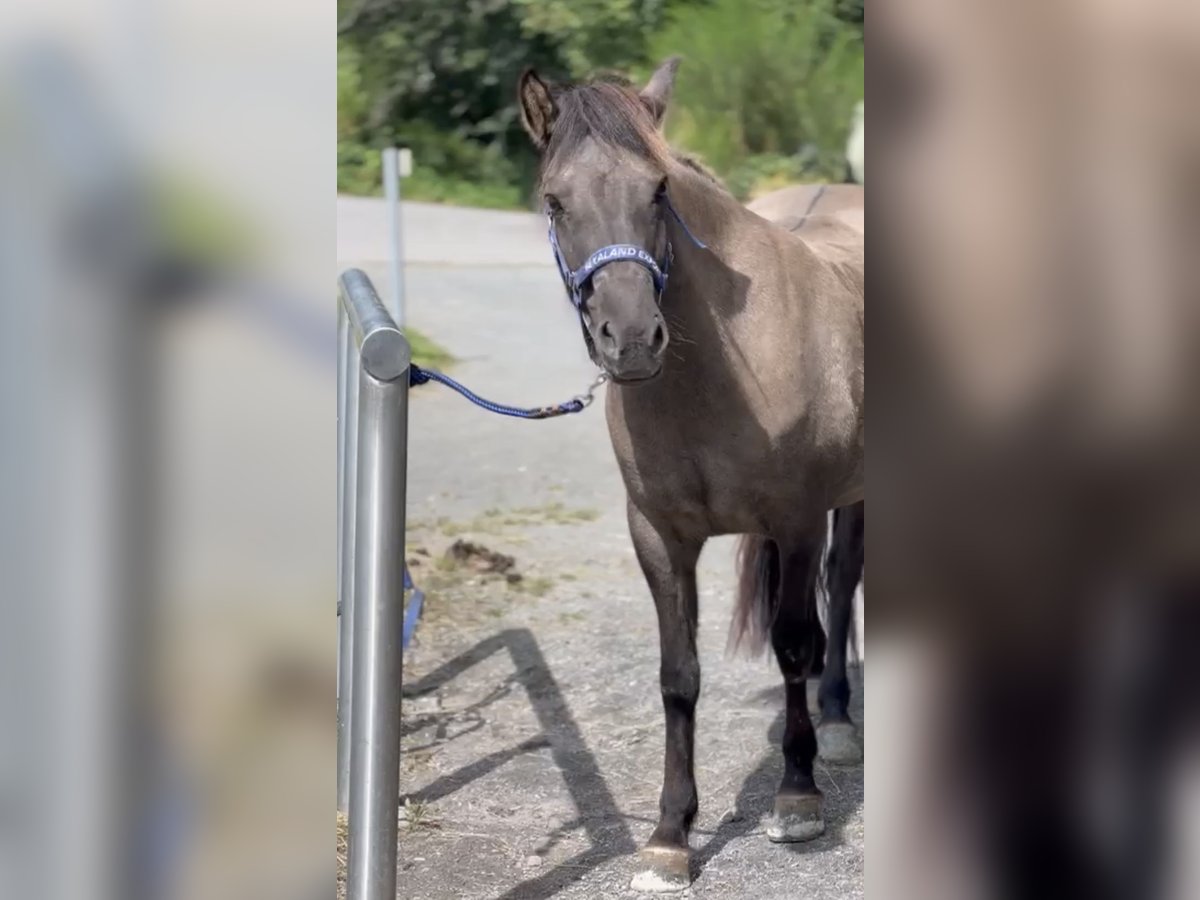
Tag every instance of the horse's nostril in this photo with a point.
(606, 332)
(659, 338)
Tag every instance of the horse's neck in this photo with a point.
(750, 266)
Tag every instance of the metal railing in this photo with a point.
(373, 363)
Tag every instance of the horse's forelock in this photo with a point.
(609, 111)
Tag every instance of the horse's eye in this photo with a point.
(555, 208)
(660, 191)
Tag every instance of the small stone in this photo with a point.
(533, 861)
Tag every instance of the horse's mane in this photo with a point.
(608, 109)
(698, 167)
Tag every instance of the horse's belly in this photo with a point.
(719, 493)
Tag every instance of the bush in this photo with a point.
(447, 169)
(775, 78)
(766, 93)
(758, 175)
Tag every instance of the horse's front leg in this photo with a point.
(669, 564)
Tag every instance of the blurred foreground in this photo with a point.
(167, 663)
(1035, 531)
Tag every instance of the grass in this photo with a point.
(500, 522)
(426, 352)
(418, 814)
(538, 586)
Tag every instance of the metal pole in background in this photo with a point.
(394, 164)
(347, 450)
(378, 592)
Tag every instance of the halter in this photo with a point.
(576, 279)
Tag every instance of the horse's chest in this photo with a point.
(714, 480)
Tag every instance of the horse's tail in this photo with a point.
(758, 593)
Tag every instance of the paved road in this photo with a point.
(442, 234)
(533, 734)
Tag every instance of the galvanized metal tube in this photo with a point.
(383, 349)
(378, 618)
(347, 464)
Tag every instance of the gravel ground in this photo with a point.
(532, 755)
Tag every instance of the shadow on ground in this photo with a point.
(598, 813)
(605, 825)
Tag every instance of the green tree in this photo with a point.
(766, 90)
(440, 76)
(767, 87)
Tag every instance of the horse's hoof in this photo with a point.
(838, 743)
(664, 871)
(796, 818)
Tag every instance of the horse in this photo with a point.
(734, 354)
(805, 209)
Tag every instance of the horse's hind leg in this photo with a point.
(797, 815)
(669, 565)
(836, 737)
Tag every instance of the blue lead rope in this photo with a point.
(417, 376)
(412, 612)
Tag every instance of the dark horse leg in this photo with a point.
(836, 737)
(794, 637)
(669, 564)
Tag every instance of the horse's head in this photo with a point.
(604, 182)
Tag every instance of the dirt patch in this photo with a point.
(483, 560)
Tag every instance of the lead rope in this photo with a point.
(578, 403)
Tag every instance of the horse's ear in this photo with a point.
(657, 92)
(537, 108)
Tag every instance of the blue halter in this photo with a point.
(576, 279)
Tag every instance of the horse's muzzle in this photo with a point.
(631, 353)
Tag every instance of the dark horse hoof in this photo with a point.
(838, 743)
(797, 817)
(663, 870)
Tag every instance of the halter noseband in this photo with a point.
(576, 279)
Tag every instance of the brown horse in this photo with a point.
(735, 406)
(807, 210)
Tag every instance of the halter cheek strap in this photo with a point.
(576, 279)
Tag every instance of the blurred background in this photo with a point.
(765, 96)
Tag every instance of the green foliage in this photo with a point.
(767, 86)
(426, 352)
(591, 35)
(765, 77)
(850, 11)
(764, 172)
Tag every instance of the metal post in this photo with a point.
(378, 592)
(391, 190)
(347, 450)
